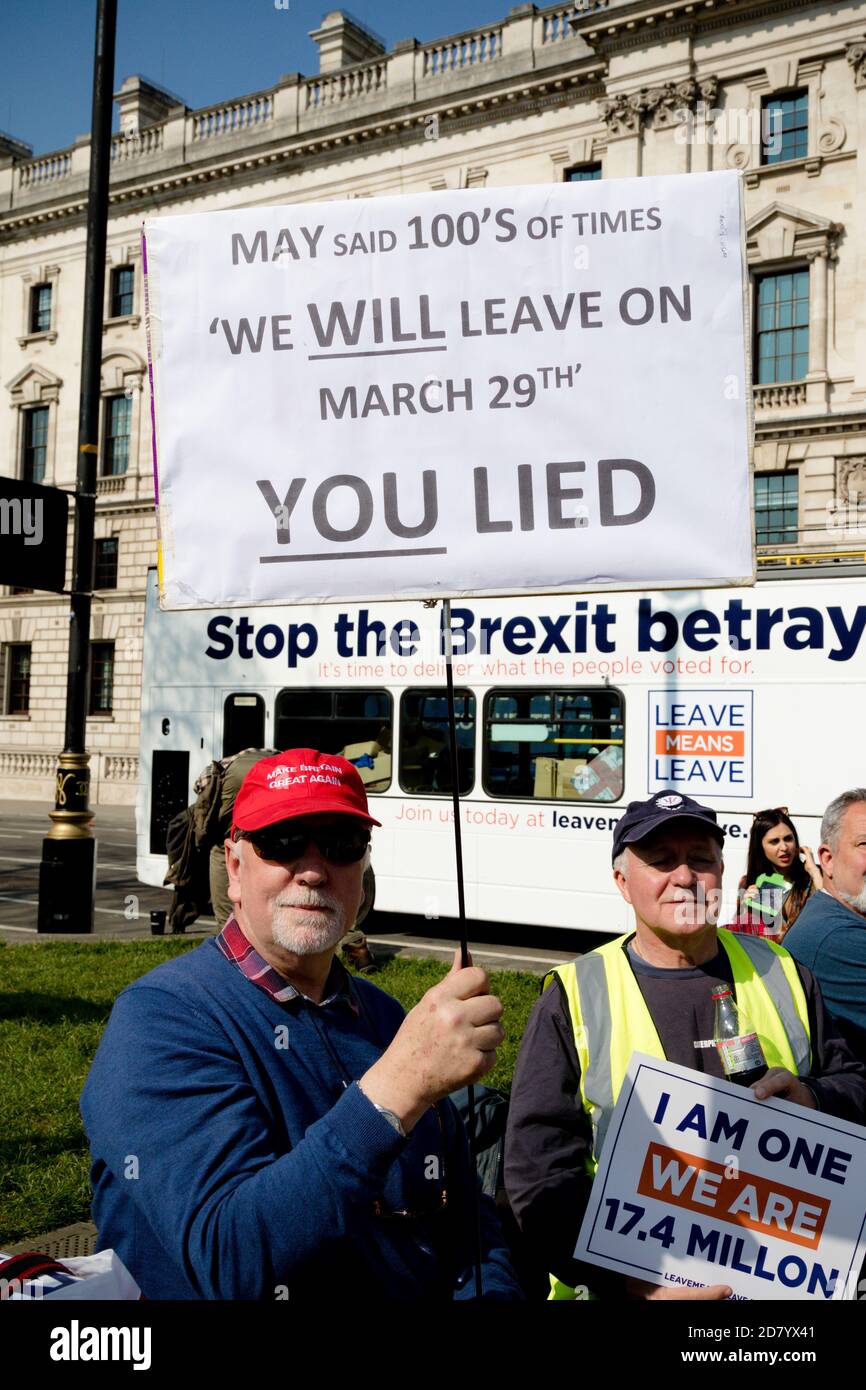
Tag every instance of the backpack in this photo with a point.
(491, 1116)
(205, 810)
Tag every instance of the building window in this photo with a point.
(776, 508)
(122, 291)
(105, 576)
(18, 681)
(101, 678)
(115, 435)
(34, 444)
(580, 172)
(782, 327)
(784, 127)
(40, 309)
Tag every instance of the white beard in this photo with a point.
(309, 933)
(855, 900)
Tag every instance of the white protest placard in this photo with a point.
(488, 391)
(698, 1184)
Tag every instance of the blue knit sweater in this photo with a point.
(234, 1158)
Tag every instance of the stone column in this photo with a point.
(141, 103)
(7, 179)
(287, 96)
(623, 115)
(856, 54)
(402, 77)
(669, 127)
(343, 40)
(518, 33)
(703, 126)
(816, 379)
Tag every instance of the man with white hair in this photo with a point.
(829, 936)
(265, 1126)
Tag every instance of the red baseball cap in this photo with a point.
(299, 782)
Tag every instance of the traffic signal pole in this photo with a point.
(67, 874)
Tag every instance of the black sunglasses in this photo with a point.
(336, 845)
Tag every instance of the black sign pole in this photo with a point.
(461, 899)
(67, 875)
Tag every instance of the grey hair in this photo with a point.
(620, 862)
(832, 821)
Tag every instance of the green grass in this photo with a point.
(55, 998)
(407, 980)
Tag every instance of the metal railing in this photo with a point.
(800, 558)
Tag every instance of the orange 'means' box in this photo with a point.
(716, 743)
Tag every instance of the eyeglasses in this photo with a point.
(336, 845)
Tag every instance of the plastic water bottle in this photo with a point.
(738, 1046)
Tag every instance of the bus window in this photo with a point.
(169, 792)
(425, 761)
(357, 724)
(558, 745)
(243, 723)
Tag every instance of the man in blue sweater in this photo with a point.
(829, 936)
(261, 1124)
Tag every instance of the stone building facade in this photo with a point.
(602, 88)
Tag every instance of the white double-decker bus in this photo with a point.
(567, 709)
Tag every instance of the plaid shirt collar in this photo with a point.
(237, 949)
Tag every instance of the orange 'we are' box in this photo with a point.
(744, 1199)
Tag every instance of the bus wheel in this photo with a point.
(369, 897)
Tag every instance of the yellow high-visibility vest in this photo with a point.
(610, 1021)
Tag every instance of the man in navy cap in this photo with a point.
(651, 991)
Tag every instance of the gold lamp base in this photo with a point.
(71, 818)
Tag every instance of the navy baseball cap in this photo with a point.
(643, 817)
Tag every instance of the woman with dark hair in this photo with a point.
(779, 869)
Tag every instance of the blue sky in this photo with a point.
(202, 50)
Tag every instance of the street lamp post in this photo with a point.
(67, 874)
